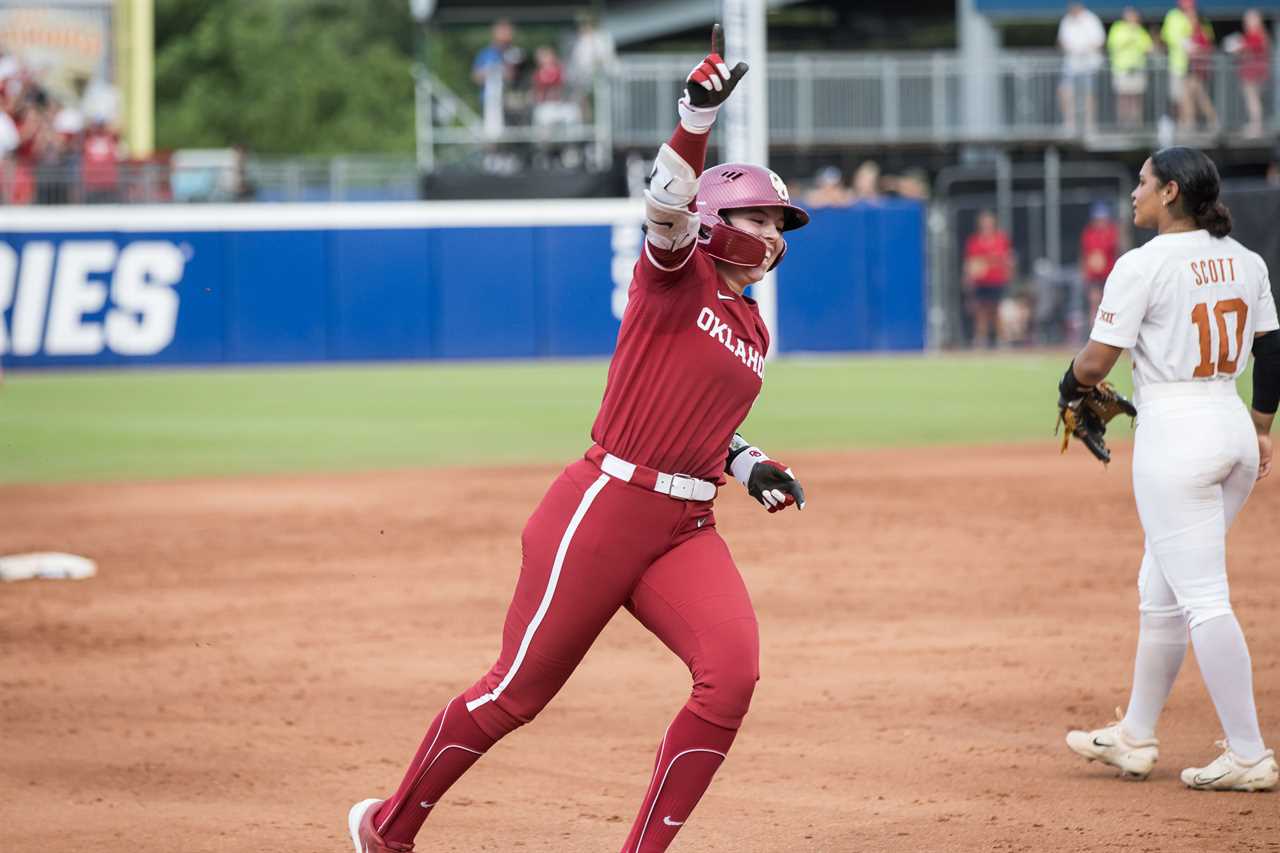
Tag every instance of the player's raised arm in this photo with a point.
(671, 223)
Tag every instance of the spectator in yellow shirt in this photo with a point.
(1186, 36)
(1128, 44)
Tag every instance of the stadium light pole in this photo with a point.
(747, 119)
(421, 11)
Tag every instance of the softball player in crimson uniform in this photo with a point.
(1189, 305)
(631, 524)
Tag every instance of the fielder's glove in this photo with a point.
(708, 86)
(1085, 411)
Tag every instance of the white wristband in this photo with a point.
(744, 462)
(696, 119)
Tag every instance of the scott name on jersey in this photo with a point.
(1214, 271)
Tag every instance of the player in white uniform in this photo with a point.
(1189, 305)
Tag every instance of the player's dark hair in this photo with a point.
(1198, 186)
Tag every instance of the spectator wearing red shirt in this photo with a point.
(35, 136)
(1195, 92)
(1099, 247)
(988, 267)
(548, 76)
(1252, 49)
(100, 168)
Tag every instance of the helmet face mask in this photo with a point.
(733, 186)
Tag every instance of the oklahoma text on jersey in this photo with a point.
(718, 329)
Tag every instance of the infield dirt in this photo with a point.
(257, 654)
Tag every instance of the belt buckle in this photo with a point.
(682, 486)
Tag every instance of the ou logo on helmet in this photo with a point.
(779, 187)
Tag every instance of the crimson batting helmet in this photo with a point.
(731, 186)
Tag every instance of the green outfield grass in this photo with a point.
(170, 423)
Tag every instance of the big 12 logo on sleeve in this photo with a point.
(58, 290)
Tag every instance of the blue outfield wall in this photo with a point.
(300, 283)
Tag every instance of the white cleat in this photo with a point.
(1111, 745)
(1228, 772)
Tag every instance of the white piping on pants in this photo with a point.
(587, 499)
(423, 771)
(658, 793)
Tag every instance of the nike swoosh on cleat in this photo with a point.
(669, 822)
(1197, 780)
(1103, 745)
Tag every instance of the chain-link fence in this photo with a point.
(1047, 299)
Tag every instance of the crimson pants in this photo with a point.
(595, 544)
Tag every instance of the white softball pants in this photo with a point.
(1195, 460)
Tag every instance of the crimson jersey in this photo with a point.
(688, 365)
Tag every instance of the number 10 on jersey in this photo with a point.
(1200, 317)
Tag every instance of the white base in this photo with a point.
(46, 564)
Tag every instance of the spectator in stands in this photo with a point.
(1200, 74)
(1252, 50)
(553, 115)
(988, 268)
(912, 183)
(548, 76)
(1081, 38)
(100, 163)
(35, 136)
(866, 182)
(1128, 44)
(1175, 33)
(1099, 248)
(828, 189)
(592, 57)
(58, 168)
(1189, 41)
(493, 68)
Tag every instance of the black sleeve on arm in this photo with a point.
(737, 445)
(1070, 389)
(1266, 373)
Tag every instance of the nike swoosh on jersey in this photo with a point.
(726, 297)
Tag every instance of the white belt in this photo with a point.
(1218, 388)
(679, 486)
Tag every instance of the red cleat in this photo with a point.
(364, 836)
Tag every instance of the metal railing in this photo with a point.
(293, 179)
(830, 100)
(450, 131)
(917, 98)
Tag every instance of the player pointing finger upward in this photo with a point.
(631, 524)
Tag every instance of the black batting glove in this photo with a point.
(712, 81)
(774, 487)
